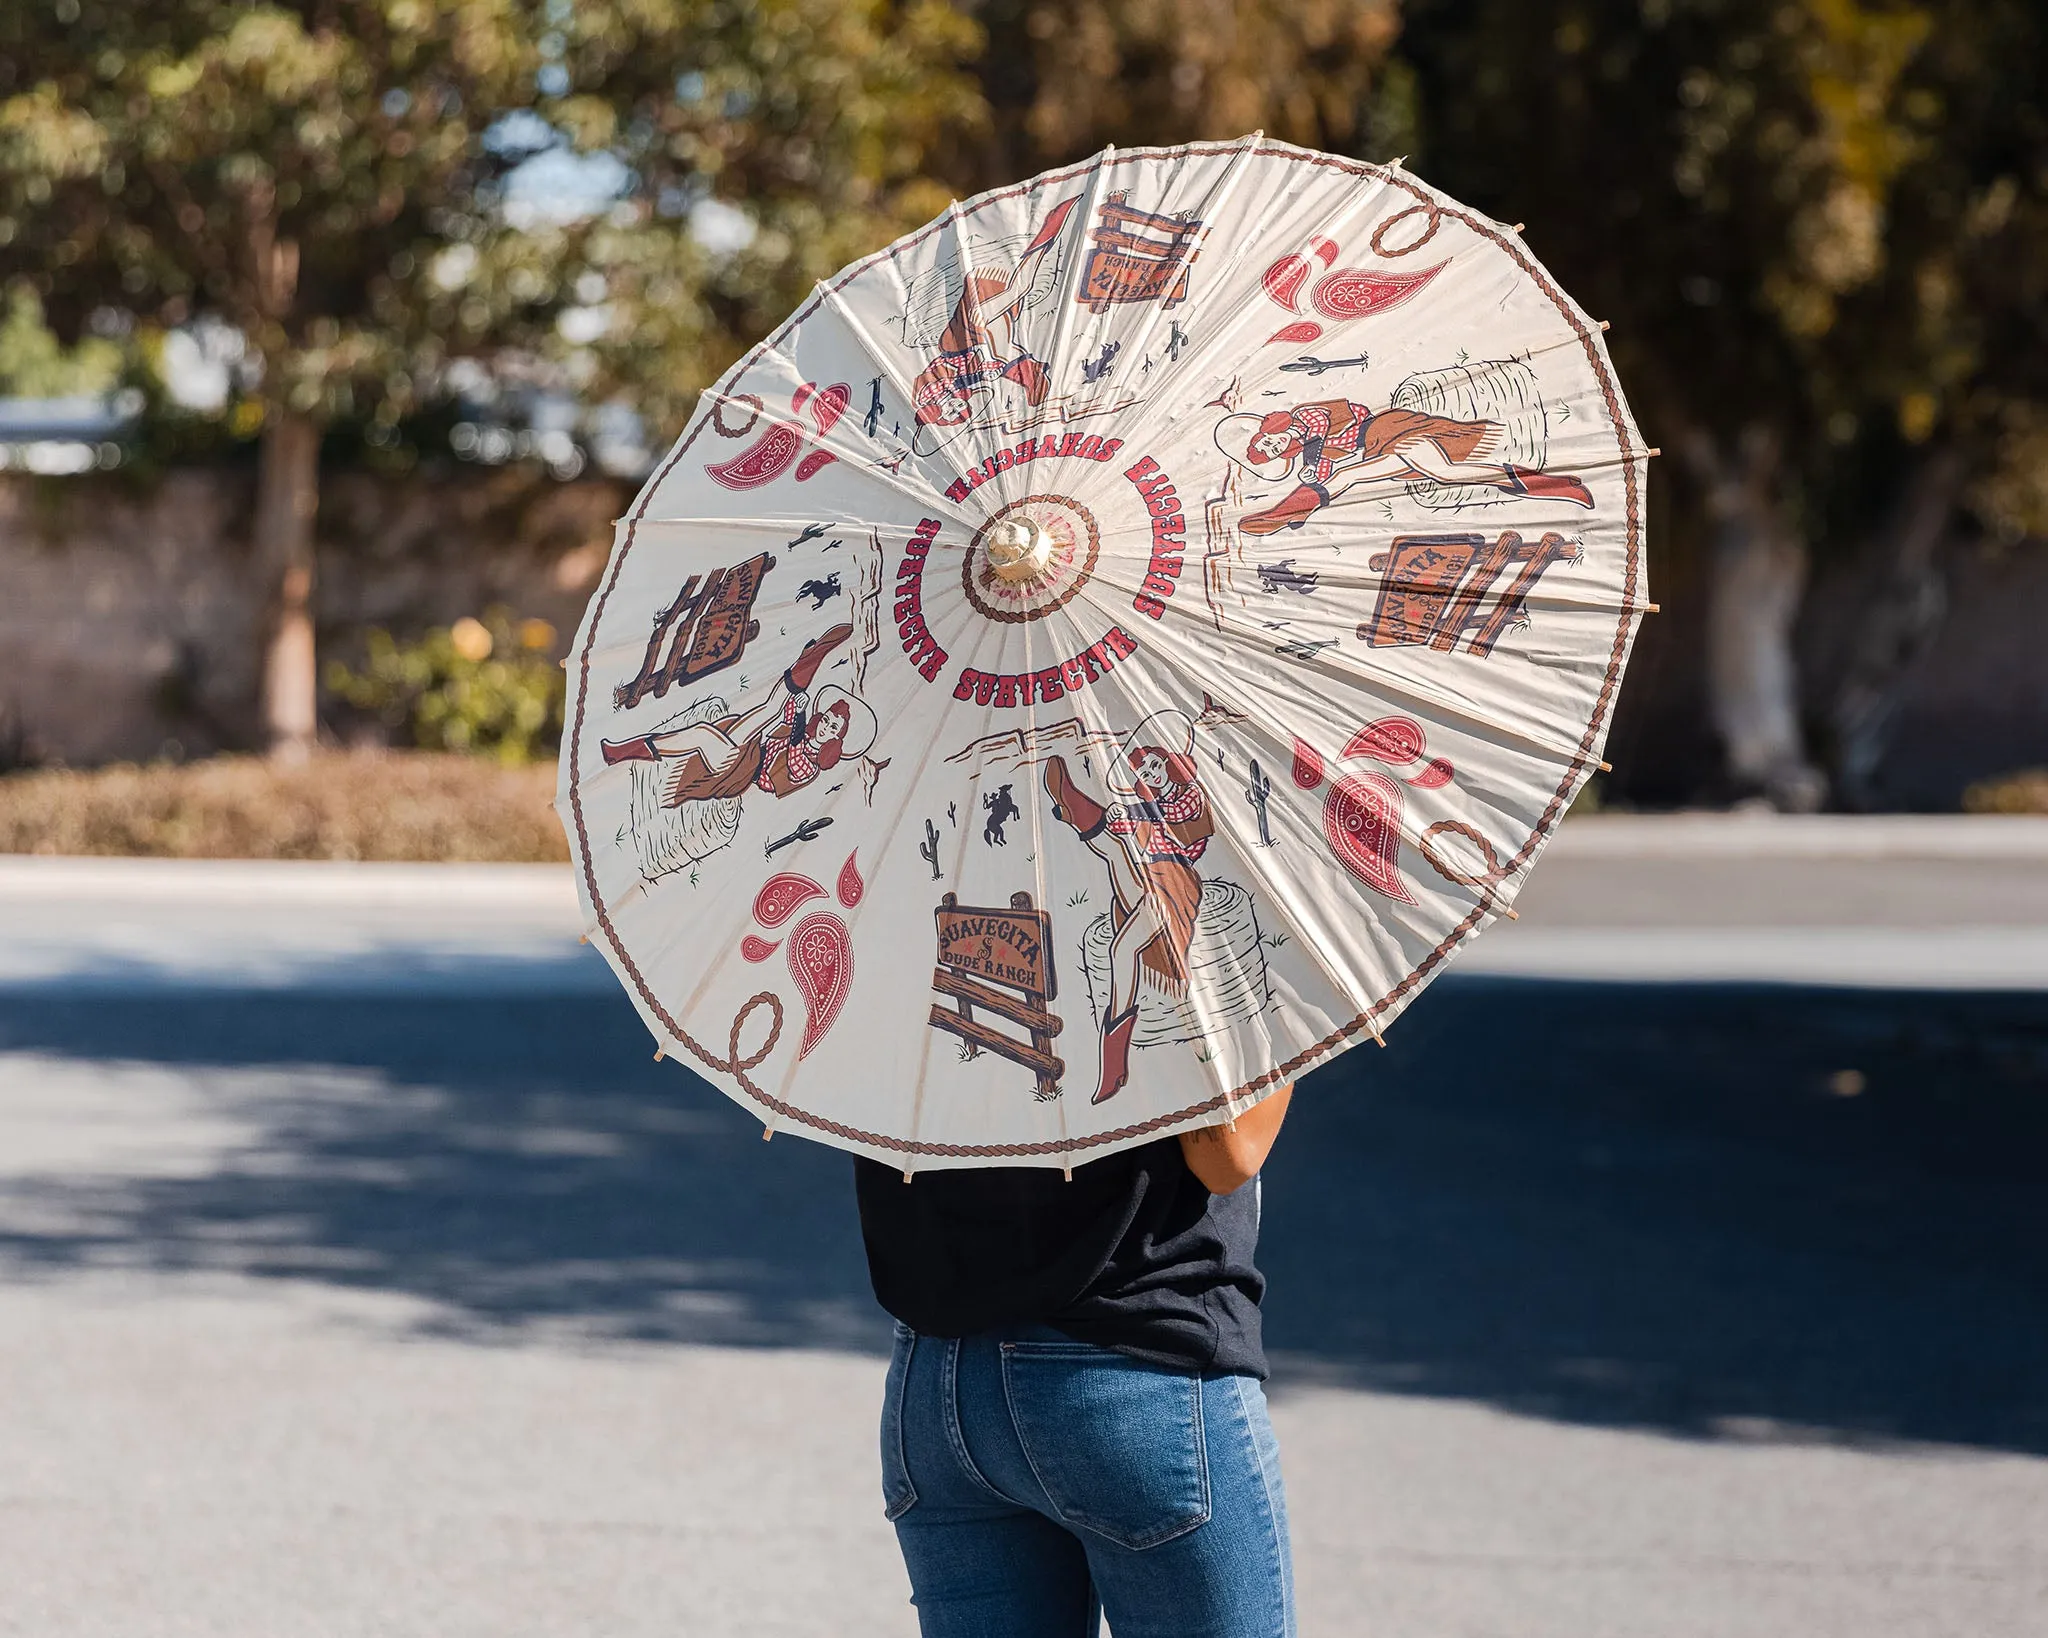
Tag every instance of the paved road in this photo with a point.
(359, 1273)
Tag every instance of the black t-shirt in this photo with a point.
(1134, 1254)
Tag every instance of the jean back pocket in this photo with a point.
(1116, 1445)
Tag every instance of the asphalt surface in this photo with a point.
(360, 1273)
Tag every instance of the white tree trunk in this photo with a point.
(287, 495)
(1756, 577)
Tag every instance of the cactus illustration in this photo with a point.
(1256, 793)
(929, 852)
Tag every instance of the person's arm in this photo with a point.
(1225, 1160)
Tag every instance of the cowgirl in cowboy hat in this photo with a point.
(780, 746)
(1149, 839)
(1340, 444)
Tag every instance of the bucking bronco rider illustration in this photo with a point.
(980, 344)
(779, 746)
(1149, 839)
(1339, 444)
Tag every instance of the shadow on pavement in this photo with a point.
(1637, 1206)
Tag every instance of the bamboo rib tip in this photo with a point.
(1512, 915)
(767, 1133)
(582, 938)
(1604, 325)
(1607, 767)
(1654, 453)
(1653, 608)
(906, 1175)
(1067, 1174)
(1517, 228)
(660, 1053)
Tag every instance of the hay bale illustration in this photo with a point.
(1502, 391)
(1226, 971)
(667, 838)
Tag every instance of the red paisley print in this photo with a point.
(770, 455)
(1362, 823)
(1306, 330)
(1284, 279)
(753, 948)
(1357, 292)
(1308, 765)
(821, 964)
(780, 896)
(762, 461)
(826, 409)
(851, 887)
(1391, 739)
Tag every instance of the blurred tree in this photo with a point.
(1064, 77)
(317, 176)
(767, 144)
(339, 180)
(1803, 218)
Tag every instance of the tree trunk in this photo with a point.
(1895, 624)
(287, 494)
(1756, 577)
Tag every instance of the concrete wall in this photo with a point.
(130, 616)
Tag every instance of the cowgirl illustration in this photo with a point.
(780, 746)
(1149, 838)
(1339, 444)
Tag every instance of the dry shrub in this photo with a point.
(2022, 792)
(353, 805)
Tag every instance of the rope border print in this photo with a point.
(1494, 870)
(718, 416)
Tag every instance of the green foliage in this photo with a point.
(810, 130)
(299, 171)
(35, 364)
(330, 177)
(486, 687)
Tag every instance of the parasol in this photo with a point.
(1103, 655)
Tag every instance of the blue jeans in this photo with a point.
(1037, 1483)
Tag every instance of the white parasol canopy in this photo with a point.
(1103, 655)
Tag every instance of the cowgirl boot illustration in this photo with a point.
(1524, 480)
(1290, 512)
(1070, 803)
(805, 667)
(1116, 1053)
(1029, 374)
(1048, 230)
(640, 749)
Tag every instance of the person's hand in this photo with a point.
(1226, 1160)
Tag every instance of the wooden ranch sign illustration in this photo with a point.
(711, 622)
(1441, 590)
(1139, 255)
(986, 954)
